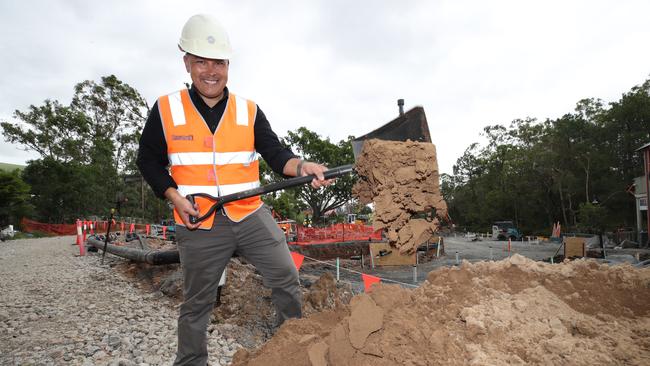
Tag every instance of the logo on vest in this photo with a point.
(182, 137)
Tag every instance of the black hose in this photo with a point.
(155, 257)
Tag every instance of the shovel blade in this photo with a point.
(412, 125)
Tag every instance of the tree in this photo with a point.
(61, 191)
(285, 203)
(592, 217)
(540, 172)
(311, 146)
(115, 113)
(14, 198)
(84, 147)
(54, 131)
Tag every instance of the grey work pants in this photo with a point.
(204, 255)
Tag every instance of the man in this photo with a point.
(211, 138)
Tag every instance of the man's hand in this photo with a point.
(183, 207)
(308, 168)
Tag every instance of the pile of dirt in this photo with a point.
(160, 244)
(402, 180)
(152, 278)
(325, 294)
(246, 302)
(515, 311)
(245, 305)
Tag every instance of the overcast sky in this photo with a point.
(338, 67)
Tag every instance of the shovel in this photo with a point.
(411, 125)
(288, 183)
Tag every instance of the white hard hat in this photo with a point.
(204, 36)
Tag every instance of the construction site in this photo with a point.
(407, 290)
(325, 183)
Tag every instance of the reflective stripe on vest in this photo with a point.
(208, 158)
(212, 190)
(176, 106)
(217, 164)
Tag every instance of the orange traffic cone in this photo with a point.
(79, 241)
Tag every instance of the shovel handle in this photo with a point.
(287, 183)
(193, 219)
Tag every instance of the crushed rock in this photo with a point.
(246, 313)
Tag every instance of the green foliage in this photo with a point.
(537, 173)
(310, 146)
(100, 126)
(84, 148)
(593, 218)
(14, 198)
(285, 203)
(115, 112)
(64, 191)
(52, 130)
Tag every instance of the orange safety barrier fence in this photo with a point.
(31, 226)
(336, 233)
(305, 235)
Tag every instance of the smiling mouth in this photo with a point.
(211, 82)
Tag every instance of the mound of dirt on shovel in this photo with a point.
(402, 179)
(515, 311)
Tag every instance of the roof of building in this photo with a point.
(643, 147)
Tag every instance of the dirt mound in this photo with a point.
(246, 312)
(325, 294)
(402, 179)
(515, 311)
(246, 304)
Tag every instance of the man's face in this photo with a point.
(208, 75)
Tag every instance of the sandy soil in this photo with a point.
(402, 180)
(515, 311)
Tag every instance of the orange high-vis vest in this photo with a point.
(217, 164)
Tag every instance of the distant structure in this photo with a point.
(641, 190)
(10, 167)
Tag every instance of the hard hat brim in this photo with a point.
(216, 55)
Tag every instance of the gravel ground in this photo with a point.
(58, 308)
(467, 249)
